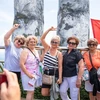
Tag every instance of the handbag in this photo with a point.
(47, 79)
(92, 72)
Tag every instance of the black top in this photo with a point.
(70, 61)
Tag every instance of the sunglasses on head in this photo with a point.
(92, 45)
(53, 42)
(71, 43)
(21, 43)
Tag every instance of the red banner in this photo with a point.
(96, 29)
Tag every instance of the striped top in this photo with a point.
(50, 61)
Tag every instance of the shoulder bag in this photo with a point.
(48, 79)
(92, 72)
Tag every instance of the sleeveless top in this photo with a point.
(31, 63)
(95, 59)
(50, 61)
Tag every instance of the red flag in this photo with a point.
(96, 29)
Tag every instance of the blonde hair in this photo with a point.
(20, 37)
(31, 37)
(57, 37)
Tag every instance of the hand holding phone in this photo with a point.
(2, 76)
(10, 91)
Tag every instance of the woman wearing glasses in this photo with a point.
(95, 55)
(13, 50)
(71, 79)
(52, 59)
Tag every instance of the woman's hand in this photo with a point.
(59, 81)
(31, 76)
(16, 26)
(53, 29)
(10, 91)
(78, 83)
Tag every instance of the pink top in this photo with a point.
(31, 63)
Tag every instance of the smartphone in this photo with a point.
(3, 77)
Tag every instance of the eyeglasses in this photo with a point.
(21, 43)
(53, 42)
(71, 43)
(92, 45)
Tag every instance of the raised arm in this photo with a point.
(43, 41)
(9, 33)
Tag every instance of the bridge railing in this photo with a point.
(40, 48)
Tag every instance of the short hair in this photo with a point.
(57, 37)
(20, 37)
(31, 37)
(73, 38)
(94, 40)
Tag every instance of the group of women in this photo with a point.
(27, 60)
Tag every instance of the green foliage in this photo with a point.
(37, 94)
(83, 93)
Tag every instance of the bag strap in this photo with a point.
(56, 62)
(32, 53)
(91, 59)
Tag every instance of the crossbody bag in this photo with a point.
(93, 71)
(48, 79)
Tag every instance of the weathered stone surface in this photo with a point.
(29, 14)
(73, 20)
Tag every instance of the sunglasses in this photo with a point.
(71, 43)
(92, 45)
(53, 42)
(21, 43)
